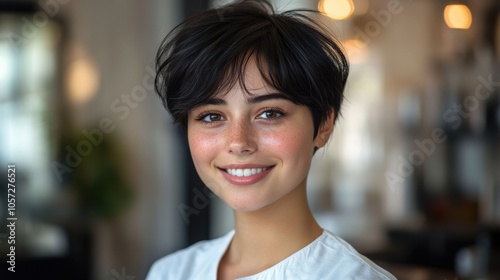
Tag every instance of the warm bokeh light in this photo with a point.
(83, 81)
(336, 9)
(457, 16)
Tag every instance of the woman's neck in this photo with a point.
(267, 236)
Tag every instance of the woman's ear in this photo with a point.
(325, 131)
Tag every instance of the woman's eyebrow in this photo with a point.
(262, 98)
(251, 100)
(214, 101)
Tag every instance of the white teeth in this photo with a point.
(245, 172)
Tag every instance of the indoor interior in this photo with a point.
(105, 184)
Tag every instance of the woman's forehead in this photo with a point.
(251, 83)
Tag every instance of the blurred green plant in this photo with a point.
(99, 182)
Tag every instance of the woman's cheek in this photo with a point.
(203, 151)
(287, 143)
(203, 145)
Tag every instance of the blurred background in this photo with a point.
(105, 185)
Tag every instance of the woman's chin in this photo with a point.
(246, 205)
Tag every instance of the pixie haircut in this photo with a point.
(207, 55)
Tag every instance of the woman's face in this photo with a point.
(252, 150)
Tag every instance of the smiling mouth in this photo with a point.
(245, 172)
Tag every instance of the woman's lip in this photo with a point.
(245, 180)
(244, 166)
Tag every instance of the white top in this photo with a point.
(327, 257)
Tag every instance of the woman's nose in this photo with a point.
(241, 138)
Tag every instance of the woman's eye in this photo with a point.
(212, 117)
(271, 114)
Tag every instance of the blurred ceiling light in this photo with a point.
(336, 9)
(457, 16)
(83, 81)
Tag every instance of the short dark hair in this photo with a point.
(208, 53)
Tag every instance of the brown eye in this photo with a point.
(271, 114)
(212, 117)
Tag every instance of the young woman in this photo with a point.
(258, 94)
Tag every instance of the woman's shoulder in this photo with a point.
(327, 257)
(201, 255)
(348, 261)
